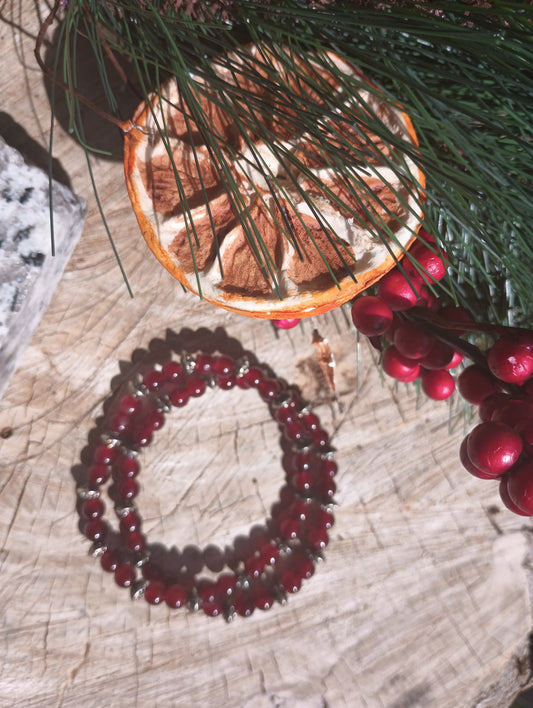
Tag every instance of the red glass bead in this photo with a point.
(224, 366)
(119, 423)
(241, 382)
(243, 603)
(317, 538)
(304, 567)
(269, 389)
(127, 489)
(299, 510)
(225, 585)
(254, 376)
(323, 519)
(178, 396)
(226, 383)
(285, 414)
(124, 575)
(203, 364)
(130, 404)
(176, 596)
(127, 466)
(130, 522)
(141, 436)
(328, 467)
(109, 560)
(172, 371)
(136, 542)
(371, 315)
(213, 609)
(296, 431)
(269, 554)
(153, 380)
(320, 438)
(263, 600)
(302, 461)
(95, 529)
(104, 455)
(155, 592)
(302, 481)
(154, 420)
(151, 571)
(254, 566)
(289, 529)
(325, 488)
(195, 386)
(310, 420)
(93, 508)
(290, 581)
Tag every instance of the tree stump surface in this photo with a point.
(424, 598)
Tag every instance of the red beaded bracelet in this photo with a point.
(276, 562)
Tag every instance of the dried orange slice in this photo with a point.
(239, 200)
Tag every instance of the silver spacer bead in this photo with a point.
(86, 493)
(188, 362)
(329, 455)
(123, 510)
(136, 386)
(242, 365)
(138, 589)
(194, 601)
(211, 381)
(308, 408)
(163, 404)
(280, 594)
(142, 560)
(97, 549)
(229, 614)
(109, 440)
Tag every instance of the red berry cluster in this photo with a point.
(501, 446)
(409, 349)
(420, 338)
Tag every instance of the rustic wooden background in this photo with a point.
(424, 598)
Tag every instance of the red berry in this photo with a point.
(494, 447)
(520, 487)
(426, 262)
(513, 412)
(506, 499)
(510, 361)
(398, 366)
(286, 324)
(467, 462)
(412, 341)
(438, 384)
(525, 430)
(475, 383)
(371, 315)
(491, 404)
(398, 292)
(457, 359)
(438, 357)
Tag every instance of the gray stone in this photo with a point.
(29, 273)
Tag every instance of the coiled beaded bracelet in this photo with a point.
(295, 535)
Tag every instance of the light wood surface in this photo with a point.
(424, 597)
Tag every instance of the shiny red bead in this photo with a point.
(328, 467)
(176, 596)
(130, 404)
(302, 482)
(254, 376)
(155, 593)
(172, 371)
(320, 438)
(203, 364)
(269, 389)
(95, 529)
(141, 436)
(195, 386)
(325, 489)
(178, 396)
(302, 461)
(223, 366)
(153, 380)
(127, 467)
(104, 455)
(243, 603)
(109, 560)
(323, 519)
(285, 414)
(299, 510)
(213, 609)
(254, 566)
(93, 508)
(130, 522)
(304, 567)
(135, 542)
(263, 600)
(154, 420)
(225, 585)
(290, 528)
(296, 431)
(127, 489)
(438, 385)
(290, 581)
(494, 447)
(226, 383)
(125, 575)
(269, 554)
(310, 420)
(119, 424)
(317, 538)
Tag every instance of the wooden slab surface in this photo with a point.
(424, 597)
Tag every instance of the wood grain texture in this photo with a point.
(424, 597)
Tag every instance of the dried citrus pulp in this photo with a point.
(264, 196)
